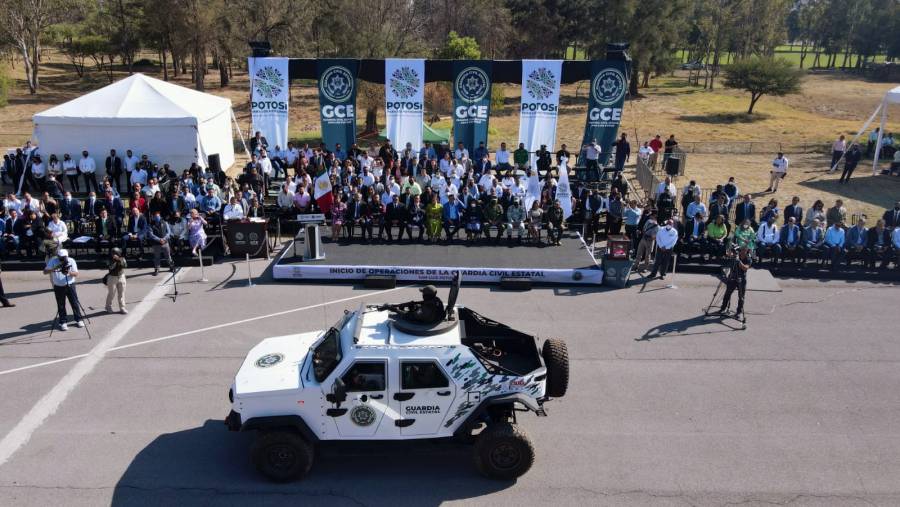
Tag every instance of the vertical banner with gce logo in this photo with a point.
(269, 84)
(471, 102)
(404, 94)
(608, 86)
(337, 100)
(540, 104)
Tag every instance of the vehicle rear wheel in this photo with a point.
(281, 456)
(503, 451)
(556, 357)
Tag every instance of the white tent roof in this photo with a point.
(893, 96)
(137, 100)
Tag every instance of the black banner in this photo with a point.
(337, 100)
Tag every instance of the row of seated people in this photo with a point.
(793, 243)
(477, 219)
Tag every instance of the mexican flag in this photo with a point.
(323, 196)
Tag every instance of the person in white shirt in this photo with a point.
(39, 171)
(666, 238)
(645, 152)
(696, 206)
(446, 164)
(767, 240)
(779, 171)
(139, 177)
(667, 184)
(58, 229)
(285, 198)
(592, 156)
(151, 189)
(367, 179)
(291, 155)
(486, 182)
(13, 203)
(63, 271)
(461, 153)
(365, 161)
(502, 157)
(70, 168)
(233, 211)
(837, 152)
(88, 169)
(131, 162)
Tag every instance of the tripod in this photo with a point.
(75, 301)
(724, 279)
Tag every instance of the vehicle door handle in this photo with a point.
(444, 393)
(376, 396)
(403, 396)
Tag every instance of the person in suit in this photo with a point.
(791, 241)
(135, 231)
(106, 231)
(114, 168)
(694, 236)
(114, 206)
(355, 215)
(11, 227)
(717, 209)
(857, 239)
(813, 240)
(745, 209)
(794, 210)
(878, 245)
(396, 215)
(32, 233)
(258, 143)
(891, 217)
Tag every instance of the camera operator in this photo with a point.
(63, 271)
(737, 279)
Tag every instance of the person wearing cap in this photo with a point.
(428, 311)
(63, 271)
(115, 280)
(666, 238)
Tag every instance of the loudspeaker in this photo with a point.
(214, 163)
(515, 283)
(380, 281)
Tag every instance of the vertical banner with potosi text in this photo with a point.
(404, 93)
(540, 104)
(471, 102)
(609, 83)
(337, 100)
(269, 85)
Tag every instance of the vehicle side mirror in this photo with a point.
(339, 390)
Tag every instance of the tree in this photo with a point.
(763, 76)
(24, 22)
(459, 48)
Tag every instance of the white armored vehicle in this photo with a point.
(393, 372)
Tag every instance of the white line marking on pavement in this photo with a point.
(50, 402)
(201, 330)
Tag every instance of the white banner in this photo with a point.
(310, 271)
(563, 189)
(269, 97)
(540, 104)
(404, 93)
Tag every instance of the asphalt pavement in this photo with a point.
(666, 406)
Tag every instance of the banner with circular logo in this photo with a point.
(609, 84)
(337, 101)
(269, 85)
(471, 102)
(540, 104)
(404, 93)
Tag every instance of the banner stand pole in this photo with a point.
(202, 271)
(249, 275)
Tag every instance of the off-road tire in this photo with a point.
(281, 456)
(556, 358)
(503, 451)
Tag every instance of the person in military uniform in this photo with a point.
(555, 222)
(737, 279)
(428, 311)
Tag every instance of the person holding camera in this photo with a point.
(737, 279)
(115, 280)
(63, 271)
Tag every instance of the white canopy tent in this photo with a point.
(891, 97)
(169, 123)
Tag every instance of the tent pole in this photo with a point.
(880, 134)
(240, 134)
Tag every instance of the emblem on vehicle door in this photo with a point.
(362, 415)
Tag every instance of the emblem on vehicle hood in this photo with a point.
(269, 360)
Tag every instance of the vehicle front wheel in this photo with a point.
(281, 456)
(503, 451)
(556, 357)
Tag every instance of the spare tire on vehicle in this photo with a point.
(556, 358)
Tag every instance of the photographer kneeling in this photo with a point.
(63, 271)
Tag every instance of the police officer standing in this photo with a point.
(737, 279)
(63, 271)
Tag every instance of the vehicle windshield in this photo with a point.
(327, 355)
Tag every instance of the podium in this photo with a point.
(309, 233)
(247, 237)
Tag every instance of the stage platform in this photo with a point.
(483, 261)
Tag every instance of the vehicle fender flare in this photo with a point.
(500, 399)
(290, 422)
